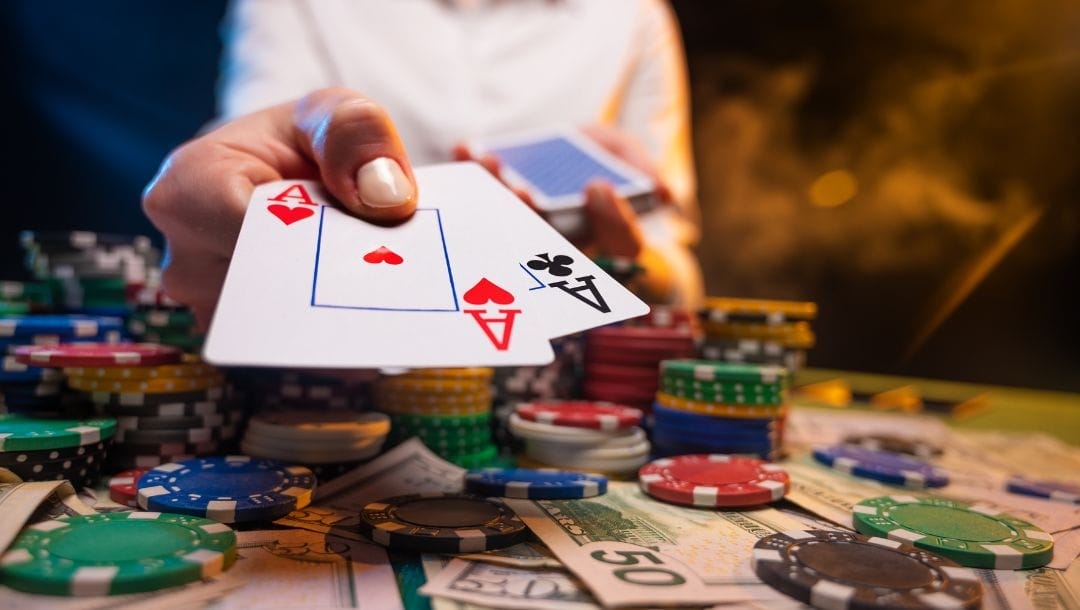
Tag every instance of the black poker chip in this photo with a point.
(828, 569)
(72, 468)
(442, 523)
(130, 400)
(17, 458)
(896, 444)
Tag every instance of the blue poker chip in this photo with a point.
(885, 466)
(30, 390)
(14, 371)
(534, 484)
(664, 416)
(1059, 491)
(229, 489)
(67, 326)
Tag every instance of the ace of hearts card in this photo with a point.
(473, 278)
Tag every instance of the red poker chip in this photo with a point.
(713, 480)
(620, 373)
(661, 348)
(97, 354)
(124, 487)
(629, 356)
(619, 393)
(581, 414)
(639, 333)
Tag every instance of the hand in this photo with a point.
(200, 194)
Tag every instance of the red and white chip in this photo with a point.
(713, 480)
(98, 354)
(581, 414)
(124, 487)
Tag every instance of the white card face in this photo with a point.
(310, 285)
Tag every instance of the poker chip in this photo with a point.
(17, 458)
(884, 466)
(124, 488)
(481, 373)
(13, 370)
(230, 489)
(442, 386)
(675, 419)
(731, 393)
(307, 455)
(473, 459)
(25, 291)
(712, 371)
(190, 366)
(98, 354)
(630, 459)
(545, 484)
(581, 414)
(970, 534)
(836, 570)
(203, 408)
(566, 434)
(306, 426)
(22, 433)
(713, 480)
(127, 400)
(146, 386)
(73, 468)
(793, 310)
(180, 422)
(1051, 490)
(895, 444)
(185, 435)
(82, 240)
(441, 523)
(65, 326)
(116, 553)
(442, 422)
(165, 449)
(720, 409)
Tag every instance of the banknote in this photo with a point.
(522, 555)
(631, 550)
(31, 502)
(473, 583)
(408, 468)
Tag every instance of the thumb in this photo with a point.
(360, 157)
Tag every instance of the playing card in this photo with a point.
(473, 278)
(555, 165)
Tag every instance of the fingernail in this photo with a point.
(381, 183)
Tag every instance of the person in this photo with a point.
(446, 71)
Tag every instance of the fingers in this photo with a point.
(613, 226)
(629, 150)
(360, 157)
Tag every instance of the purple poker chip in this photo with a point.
(1051, 490)
(884, 466)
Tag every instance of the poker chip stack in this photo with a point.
(670, 317)
(278, 389)
(621, 361)
(559, 380)
(38, 449)
(587, 436)
(39, 391)
(24, 297)
(165, 324)
(448, 409)
(329, 443)
(758, 331)
(623, 270)
(167, 405)
(90, 272)
(722, 408)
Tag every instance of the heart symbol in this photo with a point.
(485, 291)
(382, 254)
(289, 215)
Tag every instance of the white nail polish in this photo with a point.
(381, 183)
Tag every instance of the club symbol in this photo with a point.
(558, 265)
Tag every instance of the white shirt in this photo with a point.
(450, 71)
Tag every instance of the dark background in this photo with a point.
(957, 257)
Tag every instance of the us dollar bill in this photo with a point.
(23, 503)
(632, 550)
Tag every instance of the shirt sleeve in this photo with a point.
(656, 109)
(273, 54)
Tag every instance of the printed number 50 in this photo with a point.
(644, 575)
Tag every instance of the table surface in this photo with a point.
(1008, 408)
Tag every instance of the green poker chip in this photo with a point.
(116, 553)
(12, 308)
(724, 372)
(970, 534)
(732, 393)
(464, 443)
(23, 433)
(441, 421)
(477, 459)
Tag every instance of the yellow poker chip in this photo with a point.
(477, 373)
(798, 310)
(434, 398)
(796, 335)
(720, 409)
(439, 386)
(191, 367)
(147, 386)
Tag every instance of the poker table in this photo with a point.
(1003, 408)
